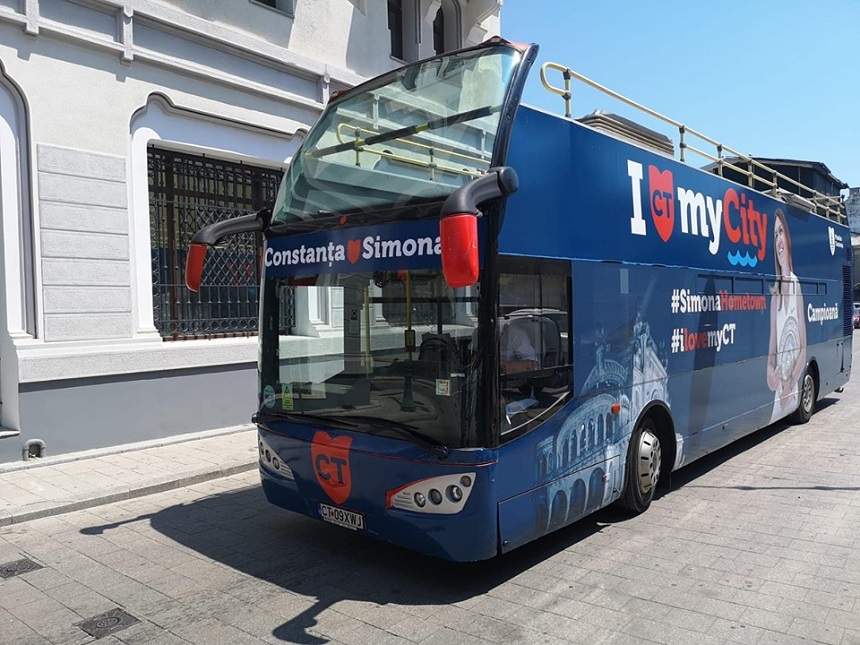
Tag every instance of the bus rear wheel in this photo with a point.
(644, 461)
(808, 392)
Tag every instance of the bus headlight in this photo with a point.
(415, 495)
(269, 459)
(455, 493)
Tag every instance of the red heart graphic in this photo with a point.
(330, 459)
(353, 250)
(662, 197)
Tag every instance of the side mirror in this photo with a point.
(211, 235)
(458, 227)
(195, 260)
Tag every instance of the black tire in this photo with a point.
(644, 465)
(808, 396)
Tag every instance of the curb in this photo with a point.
(67, 507)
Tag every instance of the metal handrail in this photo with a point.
(432, 165)
(832, 206)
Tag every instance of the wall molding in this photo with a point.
(184, 25)
(160, 121)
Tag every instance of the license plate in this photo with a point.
(342, 517)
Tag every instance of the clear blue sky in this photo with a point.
(769, 78)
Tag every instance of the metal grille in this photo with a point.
(17, 567)
(187, 192)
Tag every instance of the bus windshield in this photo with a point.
(384, 352)
(415, 134)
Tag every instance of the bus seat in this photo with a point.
(441, 351)
(545, 338)
(543, 334)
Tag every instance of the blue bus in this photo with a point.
(481, 322)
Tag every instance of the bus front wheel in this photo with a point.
(644, 461)
(808, 392)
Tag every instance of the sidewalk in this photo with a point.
(73, 482)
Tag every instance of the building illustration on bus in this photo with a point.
(527, 318)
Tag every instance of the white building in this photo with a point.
(852, 208)
(126, 124)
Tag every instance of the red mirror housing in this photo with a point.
(194, 262)
(458, 226)
(458, 235)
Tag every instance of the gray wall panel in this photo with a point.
(83, 299)
(74, 244)
(85, 272)
(82, 190)
(93, 413)
(72, 217)
(80, 162)
(84, 243)
(87, 326)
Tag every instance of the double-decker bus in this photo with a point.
(481, 322)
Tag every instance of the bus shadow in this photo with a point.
(704, 465)
(329, 565)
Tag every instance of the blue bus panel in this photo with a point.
(675, 287)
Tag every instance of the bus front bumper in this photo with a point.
(467, 536)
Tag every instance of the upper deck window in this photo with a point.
(439, 31)
(284, 6)
(413, 135)
(395, 27)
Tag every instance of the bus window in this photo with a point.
(786, 287)
(710, 283)
(808, 288)
(534, 339)
(749, 286)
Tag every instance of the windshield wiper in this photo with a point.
(427, 126)
(302, 417)
(424, 440)
(357, 421)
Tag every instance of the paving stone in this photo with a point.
(690, 620)
(816, 631)
(752, 549)
(851, 638)
(735, 632)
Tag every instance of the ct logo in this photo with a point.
(831, 238)
(330, 458)
(662, 197)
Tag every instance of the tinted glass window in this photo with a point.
(534, 339)
(414, 135)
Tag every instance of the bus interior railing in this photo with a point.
(432, 163)
(829, 206)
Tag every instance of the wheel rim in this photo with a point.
(650, 456)
(808, 393)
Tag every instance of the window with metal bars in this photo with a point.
(187, 192)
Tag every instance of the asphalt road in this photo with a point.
(758, 543)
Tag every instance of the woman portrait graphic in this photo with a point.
(786, 359)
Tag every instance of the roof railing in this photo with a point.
(829, 206)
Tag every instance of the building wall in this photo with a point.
(85, 87)
(852, 208)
